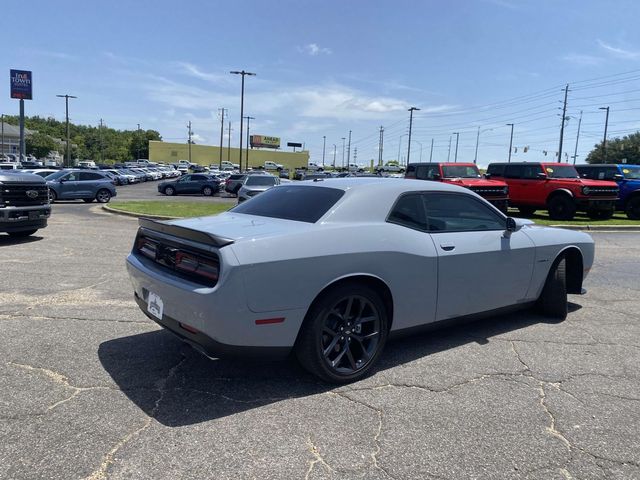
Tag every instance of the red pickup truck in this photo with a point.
(466, 175)
(555, 187)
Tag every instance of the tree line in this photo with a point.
(100, 144)
(618, 150)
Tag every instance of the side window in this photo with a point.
(198, 178)
(588, 173)
(427, 172)
(513, 171)
(454, 212)
(90, 176)
(496, 170)
(185, 178)
(530, 172)
(72, 177)
(409, 212)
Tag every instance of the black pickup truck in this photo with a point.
(24, 203)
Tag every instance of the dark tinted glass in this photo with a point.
(513, 171)
(459, 171)
(598, 173)
(530, 172)
(199, 178)
(458, 213)
(91, 176)
(261, 180)
(561, 171)
(495, 170)
(409, 212)
(299, 203)
(427, 172)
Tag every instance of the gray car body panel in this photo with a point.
(276, 268)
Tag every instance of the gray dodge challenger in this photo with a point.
(330, 268)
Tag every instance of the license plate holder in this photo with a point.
(155, 306)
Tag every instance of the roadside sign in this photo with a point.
(21, 84)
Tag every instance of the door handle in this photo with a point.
(447, 247)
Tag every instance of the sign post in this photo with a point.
(21, 88)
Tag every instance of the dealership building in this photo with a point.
(166, 152)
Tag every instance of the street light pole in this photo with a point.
(66, 104)
(604, 140)
(431, 153)
(229, 144)
(138, 142)
(221, 137)
(189, 141)
(324, 144)
(243, 73)
(248, 118)
(510, 140)
(349, 151)
(575, 152)
(455, 157)
(334, 155)
(475, 157)
(2, 151)
(449, 151)
(343, 139)
(411, 110)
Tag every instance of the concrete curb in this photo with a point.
(600, 228)
(136, 215)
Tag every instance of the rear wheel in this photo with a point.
(561, 207)
(24, 233)
(207, 191)
(600, 214)
(553, 299)
(633, 208)
(343, 334)
(103, 196)
(527, 211)
(169, 191)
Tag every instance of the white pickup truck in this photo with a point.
(226, 165)
(272, 166)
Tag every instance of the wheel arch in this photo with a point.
(559, 191)
(631, 196)
(574, 268)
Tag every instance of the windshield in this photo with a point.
(561, 171)
(460, 171)
(261, 180)
(303, 204)
(632, 173)
(56, 175)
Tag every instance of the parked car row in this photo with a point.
(75, 184)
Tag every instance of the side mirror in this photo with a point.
(511, 225)
(437, 176)
(542, 176)
(618, 177)
(487, 176)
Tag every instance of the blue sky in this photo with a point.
(327, 67)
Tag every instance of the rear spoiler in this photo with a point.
(184, 232)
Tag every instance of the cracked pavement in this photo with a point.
(90, 388)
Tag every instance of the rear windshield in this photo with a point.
(561, 171)
(299, 203)
(459, 171)
(260, 180)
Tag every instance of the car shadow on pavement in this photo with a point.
(178, 386)
(9, 240)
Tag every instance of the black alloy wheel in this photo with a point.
(561, 207)
(633, 208)
(343, 334)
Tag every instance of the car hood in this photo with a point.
(585, 182)
(475, 182)
(20, 177)
(237, 226)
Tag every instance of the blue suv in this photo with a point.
(628, 179)
(88, 185)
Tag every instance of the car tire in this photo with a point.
(527, 211)
(207, 191)
(23, 233)
(600, 214)
(633, 208)
(52, 196)
(552, 302)
(561, 207)
(103, 196)
(87, 200)
(170, 191)
(329, 346)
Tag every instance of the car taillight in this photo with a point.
(194, 265)
(147, 247)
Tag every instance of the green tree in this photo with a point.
(619, 150)
(139, 146)
(40, 144)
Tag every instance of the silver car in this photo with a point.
(329, 269)
(255, 184)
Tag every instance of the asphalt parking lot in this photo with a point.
(149, 191)
(90, 388)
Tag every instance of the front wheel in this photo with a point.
(52, 196)
(633, 208)
(170, 191)
(553, 299)
(561, 207)
(343, 334)
(207, 191)
(103, 196)
(23, 233)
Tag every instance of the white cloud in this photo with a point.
(314, 49)
(194, 71)
(584, 60)
(619, 52)
(198, 138)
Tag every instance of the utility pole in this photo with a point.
(343, 139)
(138, 143)
(101, 144)
(243, 73)
(190, 133)
(334, 155)
(248, 119)
(411, 110)
(510, 140)
(221, 136)
(455, 157)
(380, 145)
(66, 103)
(349, 150)
(324, 145)
(564, 116)
(575, 152)
(2, 151)
(431, 153)
(449, 151)
(604, 140)
(475, 157)
(229, 145)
